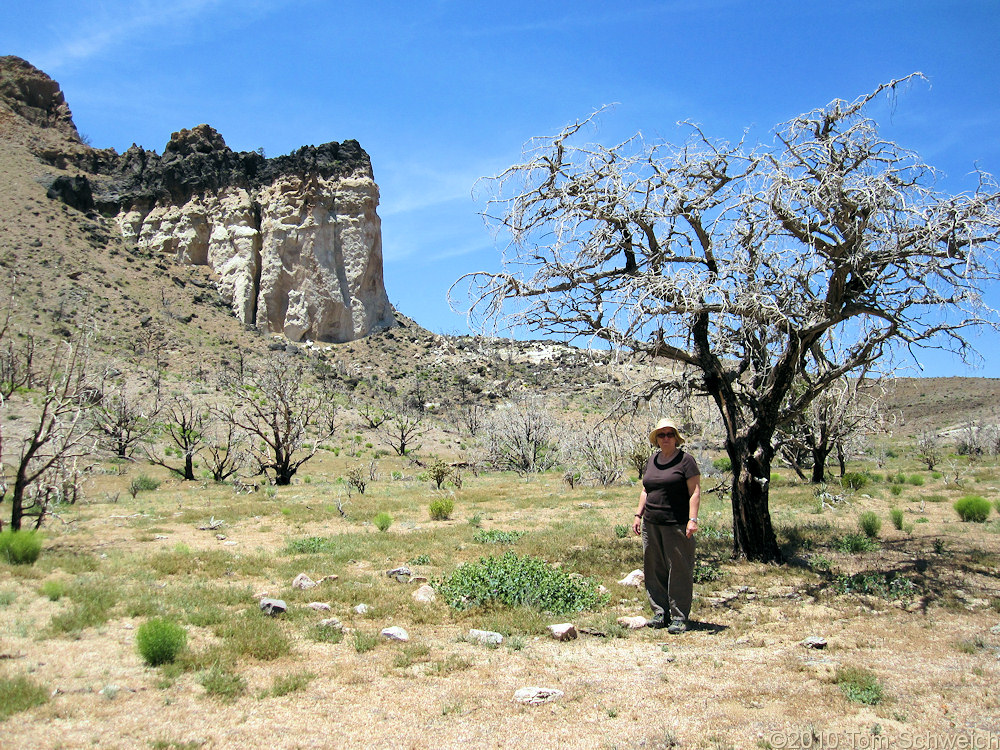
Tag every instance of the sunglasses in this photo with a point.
(666, 435)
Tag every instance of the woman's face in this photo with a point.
(666, 438)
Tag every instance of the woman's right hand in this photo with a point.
(637, 525)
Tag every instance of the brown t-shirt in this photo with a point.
(665, 482)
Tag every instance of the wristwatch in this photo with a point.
(693, 519)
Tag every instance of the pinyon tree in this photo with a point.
(768, 271)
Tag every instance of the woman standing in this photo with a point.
(667, 518)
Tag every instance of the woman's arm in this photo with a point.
(694, 502)
(637, 521)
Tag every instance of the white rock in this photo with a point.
(331, 622)
(304, 252)
(319, 606)
(395, 633)
(424, 594)
(302, 581)
(535, 695)
(633, 623)
(487, 637)
(636, 578)
(564, 631)
(361, 609)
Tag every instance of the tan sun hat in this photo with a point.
(665, 423)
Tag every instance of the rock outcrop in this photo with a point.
(295, 242)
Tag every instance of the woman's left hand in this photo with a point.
(692, 527)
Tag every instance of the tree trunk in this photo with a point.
(819, 455)
(753, 533)
(189, 466)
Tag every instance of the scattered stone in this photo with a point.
(230, 543)
(161, 536)
(633, 623)
(424, 594)
(361, 609)
(636, 578)
(331, 622)
(536, 695)
(212, 525)
(813, 641)
(564, 631)
(822, 668)
(419, 580)
(402, 574)
(221, 537)
(324, 579)
(302, 581)
(319, 606)
(395, 633)
(995, 630)
(487, 637)
(273, 606)
(592, 631)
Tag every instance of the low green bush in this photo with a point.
(20, 547)
(513, 581)
(382, 521)
(723, 463)
(916, 480)
(142, 483)
(854, 480)
(883, 585)
(53, 590)
(854, 543)
(972, 508)
(159, 641)
(896, 514)
(860, 686)
(441, 508)
(621, 530)
(496, 536)
(870, 524)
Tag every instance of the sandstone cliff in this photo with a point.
(294, 242)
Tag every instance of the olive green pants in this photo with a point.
(668, 564)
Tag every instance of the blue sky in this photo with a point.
(440, 93)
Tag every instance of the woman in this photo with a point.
(667, 518)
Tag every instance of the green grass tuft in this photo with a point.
(159, 641)
(20, 694)
(20, 547)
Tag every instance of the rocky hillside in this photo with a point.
(292, 244)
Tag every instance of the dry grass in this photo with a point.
(735, 681)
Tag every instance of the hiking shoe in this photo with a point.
(656, 623)
(677, 626)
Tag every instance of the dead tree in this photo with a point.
(754, 267)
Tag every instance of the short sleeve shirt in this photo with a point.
(665, 482)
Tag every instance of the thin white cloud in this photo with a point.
(92, 31)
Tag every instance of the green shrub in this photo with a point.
(496, 536)
(723, 463)
(883, 585)
(996, 504)
(159, 641)
(972, 508)
(441, 508)
(310, 545)
(854, 480)
(19, 694)
(142, 483)
(896, 490)
(382, 521)
(621, 530)
(854, 543)
(916, 480)
(860, 686)
(896, 514)
(255, 634)
(223, 683)
(20, 547)
(870, 524)
(364, 641)
(53, 590)
(513, 581)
